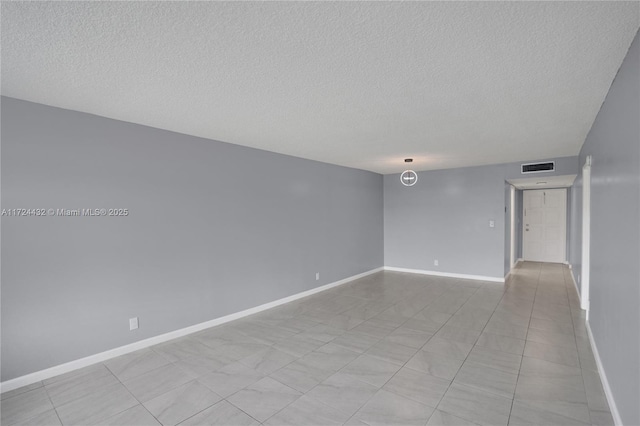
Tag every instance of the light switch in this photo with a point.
(492, 224)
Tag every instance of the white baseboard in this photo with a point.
(122, 350)
(575, 283)
(445, 274)
(603, 377)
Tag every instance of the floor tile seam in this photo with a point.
(466, 357)
(135, 397)
(584, 383)
(526, 402)
(235, 406)
(244, 388)
(80, 397)
(50, 402)
(527, 335)
(394, 374)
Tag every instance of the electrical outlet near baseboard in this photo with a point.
(436, 262)
(317, 276)
(133, 323)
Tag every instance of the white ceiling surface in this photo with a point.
(359, 84)
(541, 182)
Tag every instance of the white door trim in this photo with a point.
(512, 252)
(586, 235)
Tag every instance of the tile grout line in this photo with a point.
(525, 342)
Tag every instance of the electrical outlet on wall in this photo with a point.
(317, 276)
(133, 323)
(435, 262)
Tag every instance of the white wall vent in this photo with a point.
(548, 166)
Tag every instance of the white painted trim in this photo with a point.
(512, 227)
(445, 274)
(586, 234)
(122, 350)
(575, 283)
(603, 377)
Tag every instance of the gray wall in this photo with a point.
(614, 144)
(507, 228)
(213, 229)
(446, 215)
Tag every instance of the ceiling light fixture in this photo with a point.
(408, 177)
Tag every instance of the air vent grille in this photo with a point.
(548, 166)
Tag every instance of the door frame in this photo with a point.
(586, 235)
(512, 208)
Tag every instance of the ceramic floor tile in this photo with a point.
(371, 370)
(448, 348)
(97, 406)
(344, 393)
(552, 338)
(457, 334)
(392, 352)
(435, 364)
(501, 343)
(523, 414)
(22, 389)
(264, 398)
(356, 342)
(442, 418)
(386, 408)
(128, 366)
(300, 376)
(475, 319)
(181, 403)
(48, 418)
(268, 360)
(487, 379)
(138, 416)
(307, 411)
(407, 337)
(25, 406)
(475, 405)
(156, 382)
(372, 330)
(502, 361)
(298, 345)
(230, 379)
(420, 387)
(76, 373)
(553, 353)
(201, 365)
(74, 387)
(221, 413)
(601, 418)
(185, 347)
(343, 322)
(596, 398)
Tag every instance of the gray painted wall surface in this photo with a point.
(446, 215)
(507, 228)
(614, 143)
(213, 229)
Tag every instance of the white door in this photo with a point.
(544, 223)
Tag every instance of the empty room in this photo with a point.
(320, 213)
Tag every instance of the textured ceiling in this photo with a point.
(358, 84)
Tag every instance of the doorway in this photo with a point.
(544, 232)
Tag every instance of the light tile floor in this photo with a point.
(391, 348)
